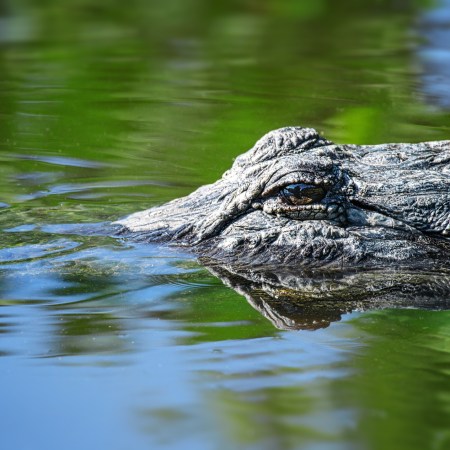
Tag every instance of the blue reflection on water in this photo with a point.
(435, 54)
(96, 350)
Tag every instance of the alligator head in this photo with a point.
(296, 198)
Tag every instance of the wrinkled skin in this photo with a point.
(365, 206)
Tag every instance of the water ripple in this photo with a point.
(62, 160)
(33, 251)
(71, 188)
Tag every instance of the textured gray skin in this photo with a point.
(385, 205)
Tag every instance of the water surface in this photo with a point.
(107, 109)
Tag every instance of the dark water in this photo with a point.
(107, 108)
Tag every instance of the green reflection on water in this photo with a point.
(403, 382)
(393, 393)
(109, 108)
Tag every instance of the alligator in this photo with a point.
(298, 200)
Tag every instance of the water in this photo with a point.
(108, 109)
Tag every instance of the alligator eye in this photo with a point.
(302, 194)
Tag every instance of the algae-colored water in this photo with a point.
(107, 108)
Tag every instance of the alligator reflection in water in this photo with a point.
(294, 301)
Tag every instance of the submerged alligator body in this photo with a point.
(296, 199)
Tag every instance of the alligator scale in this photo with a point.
(296, 199)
